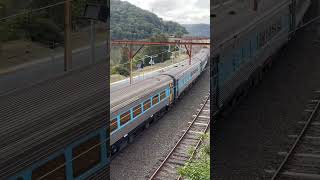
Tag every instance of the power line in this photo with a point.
(34, 10)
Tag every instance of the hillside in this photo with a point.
(198, 29)
(131, 22)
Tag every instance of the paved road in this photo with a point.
(47, 68)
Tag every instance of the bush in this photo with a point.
(120, 70)
(11, 29)
(198, 169)
(45, 31)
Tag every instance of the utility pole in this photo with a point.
(255, 5)
(130, 60)
(92, 40)
(67, 36)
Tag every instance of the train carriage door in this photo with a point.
(171, 96)
(292, 8)
(214, 82)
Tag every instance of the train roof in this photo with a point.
(129, 94)
(226, 25)
(181, 68)
(43, 118)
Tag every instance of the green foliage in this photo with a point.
(130, 22)
(45, 31)
(198, 169)
(11, 29)
(120, 70)
(3, 9)
(150, 50)
(43, 26)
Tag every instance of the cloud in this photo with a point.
(181, 11)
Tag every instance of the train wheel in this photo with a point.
(114, 149)
(147, 125)
(130, 139)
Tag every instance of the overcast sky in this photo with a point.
(181, 11)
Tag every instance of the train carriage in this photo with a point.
(135, 106)
(51, 131)
(239, 61)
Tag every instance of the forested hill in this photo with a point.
(198, 29)
(131, 22)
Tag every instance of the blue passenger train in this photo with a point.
(135, 107)
(239, 61)
(52, 131)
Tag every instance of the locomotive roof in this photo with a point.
(32, 116)
(227, 25)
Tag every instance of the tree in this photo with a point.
(131, 19)
(3, 9)
(150, 50)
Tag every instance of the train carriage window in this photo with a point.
(146, 104)
(155, 99)
(113, 124)
(268, 34)
(86, 156)
(162, 95)
(274, 28)
(125, 117)
(53, 169)
(279, 25)
(137, 111)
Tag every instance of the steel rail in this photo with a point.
(198, 144)
(292, 149)
(180, 140)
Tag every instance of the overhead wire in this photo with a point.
(34, 10)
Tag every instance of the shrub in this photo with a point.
(45, 31)
(120, 70)
(198, 169)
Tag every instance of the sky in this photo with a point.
(181, 11)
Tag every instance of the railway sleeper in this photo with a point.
(184, 155)
(165, 174)
(303, 168)
(183, 158)
(176, 162)
(295, 176)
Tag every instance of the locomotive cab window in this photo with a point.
(125, 117)
(86, 156)
(162, 95)
(155, 99)
(53, 169)
(137, 111)
(113, 125)
(146, 104)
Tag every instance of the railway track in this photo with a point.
(303, 159)
(191, 138)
